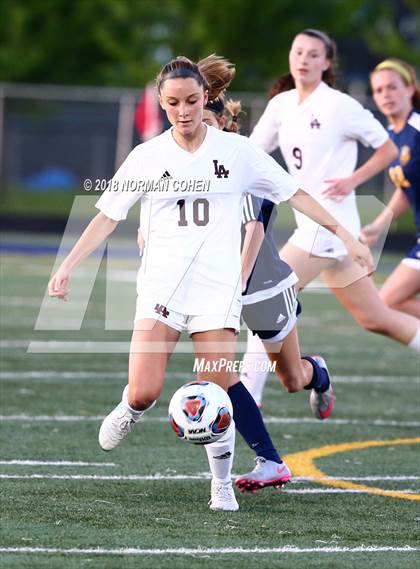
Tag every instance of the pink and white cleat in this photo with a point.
(322, 403)
(266, 473)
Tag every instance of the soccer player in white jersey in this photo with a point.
(317, 129)
(396, 93)
(191, 182)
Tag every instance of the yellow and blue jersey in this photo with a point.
(405, 170)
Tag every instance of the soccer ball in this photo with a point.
(200, 412)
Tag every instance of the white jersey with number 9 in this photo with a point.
(318, 140)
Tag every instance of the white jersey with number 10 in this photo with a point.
(191, 210)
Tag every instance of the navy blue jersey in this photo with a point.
(270, 274)
(405, 170)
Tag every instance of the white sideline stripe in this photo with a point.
(106, 347)
(198, 476)
(54, 463)
(35, 374)
(14, 343)
(338, 491)
(299, 479)
(62, 418)
(267, 420)
(173, 478)
(211, 550)
(373, 422)
(128, 477)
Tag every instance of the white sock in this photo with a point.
(254, 360)
(220, 456)
(415, 342)
(136, 414)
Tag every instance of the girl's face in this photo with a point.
(391, 95)
(307, 59)
(183, 100)
(212, 120)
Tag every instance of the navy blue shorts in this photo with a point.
(273, 318)
(414, 252)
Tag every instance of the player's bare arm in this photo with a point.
(254, 236)
(398, 204)
(306, 204)
(341, 187)
(95, 233)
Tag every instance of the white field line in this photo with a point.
(286, 549)
(35, 374)
(20, 301)
(268, 420)
(54, 463)
(106, 347)
(197, 476)
(182, 477)
(339, 491)
(373, 422)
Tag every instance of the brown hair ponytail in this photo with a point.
(214, 73)
(218, 73)
(233, 108)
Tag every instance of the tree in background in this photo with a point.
(124, 42)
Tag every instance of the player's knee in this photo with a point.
(390, 299)
(141, 399)
(372, 322)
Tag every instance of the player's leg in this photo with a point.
(297, 373)
(151, 347)
(253, 373)
(401, 288)
(306, 266)
(362, 301)
(217, 348)
(269, 319)
(270, 470)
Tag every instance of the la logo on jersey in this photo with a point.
(220, 171)
(162, 310)
(315, 123)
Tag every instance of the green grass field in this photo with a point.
(67, 504)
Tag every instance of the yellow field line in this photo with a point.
(302, 464)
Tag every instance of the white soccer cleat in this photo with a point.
(223, 497)
(266, 473)
(115, 427)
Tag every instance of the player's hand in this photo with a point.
(361, 254)
(370, 234)
(339, 188)
(58, 286)
(140, 242)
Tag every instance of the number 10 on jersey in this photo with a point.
(200, 212)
